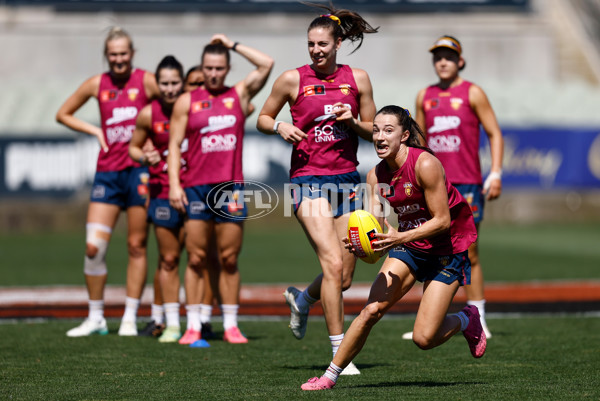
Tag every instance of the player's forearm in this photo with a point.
(174, 165)
(497, 152)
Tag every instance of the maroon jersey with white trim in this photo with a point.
(407, 199)
(331, 146)
(453, 132)
(215, 132)
(119, 107)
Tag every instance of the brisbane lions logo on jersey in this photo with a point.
(345, 89)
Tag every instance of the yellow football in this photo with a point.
(362, 227)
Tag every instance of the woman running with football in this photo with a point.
(331, 106)
(119, 183)
(430, 245)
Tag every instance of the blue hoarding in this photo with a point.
(547, 158)
(534, 158)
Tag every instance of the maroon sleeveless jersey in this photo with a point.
(215, 131)
(119, 107)
(453, 132)
(331, 146)
(407, 198)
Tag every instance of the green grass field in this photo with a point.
(280, 253)
(532, 358)
(529, 358)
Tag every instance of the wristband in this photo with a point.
(495, 175)
(142, 160)
(276, 127)
(234, 46)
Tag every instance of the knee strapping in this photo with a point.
(97, 235)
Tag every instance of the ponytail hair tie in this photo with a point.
(332, 17)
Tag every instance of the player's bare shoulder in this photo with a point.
(477, 96)
(144, 118)
(361, 77)
(427, 160)
(287, 85)
(427, 165)
(183, 102)
(91, 86)
(289, 78)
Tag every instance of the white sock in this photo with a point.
(96, 310)
(480, 307)
(333, 372)
(335, 342)
(157, 313)
(230, 313)
(205, 313)
(172, 313)
(304, 301)
(193, 317)
(464, 320)
(131, 308)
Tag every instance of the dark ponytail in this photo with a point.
(171, 63)
(344, 24)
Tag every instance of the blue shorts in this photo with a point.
(474, 197)
(219, 202)
(340, 191)
(162, 214)
(443, 268)
(123, 188)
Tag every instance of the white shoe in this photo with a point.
(128, 329)
(350, 370)
(298, 319)
(89, 327)
(407, 335)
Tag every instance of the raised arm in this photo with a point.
(66, 112)
(483, 109)
(256, 79)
